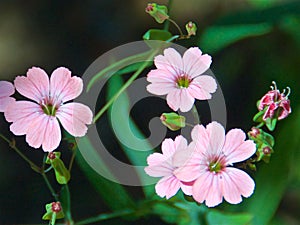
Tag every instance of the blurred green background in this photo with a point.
(252, 42)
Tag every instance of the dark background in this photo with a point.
(49, 34)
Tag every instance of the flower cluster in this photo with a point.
(204, 168)
(38, 118)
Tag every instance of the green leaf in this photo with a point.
(132, 68)
(156, 34)
(126, 130)
(113, 194)
(214, 217)
(218, 37)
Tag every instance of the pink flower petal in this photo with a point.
(235, 183)
(195, 63)
(168, 148)
(74, 117)
(34, 86)
(216, 134)
(159, 165)
(200, 136)
(214, 196)
(45, 131)
(161, 76)
(180, 99)
(202, 87)
(202, 187)
(160, 88)
(187, 187)
(167, 186)
(5, 102)
(236, 149)
(6, 89)
(171, 61)
(63, 87)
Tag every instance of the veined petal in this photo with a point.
(161, 76)
(236, 149)
(216, 135)
(63, 87)
(171, 61)
(35, 85)
(167, 186)
(202, 87)
(4, 102)
(6, 89)
(160, 88)
(200, 136)
(195, 63)
(74, 117)
(180, 99)
(168, 148)
(214, 196)
(201, 186)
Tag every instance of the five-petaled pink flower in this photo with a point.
(208, 163)
(276, 104)
(6, 90)
(181, 79)
(38, 119)
(163, 165)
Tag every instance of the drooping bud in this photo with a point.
(158, 12)
(191, 28)
(254, 132)
(62, 174)
(53, 211)
(173, 121)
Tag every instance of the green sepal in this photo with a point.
(173, 121)
(50, 215)
(157, 34)
(258, 117)
(57, 155)
(271, 123)
(158, 12)
(62, 174)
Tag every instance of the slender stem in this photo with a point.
(126, 85)
(51, 189)
(196, 115)
(105, 216)
(167, 22)
(67, 204)
(176, 25)
(72, 159)
(117, 64)
(12, 144)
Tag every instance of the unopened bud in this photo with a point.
(173, 121)
(158, 12)
(191, 28)
(56, 207)
(267, 150)
(254, 132)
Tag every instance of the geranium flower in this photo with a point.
(6, 90)
(181, 79)
(38, 119)
(277, 104)
(208, 162)
(162, 165)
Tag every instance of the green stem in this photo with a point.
(51, 189)
(176, 25)
(12, 144)
(167, 23)
(196, 115)
(106, 216)
(67, 205)
(120, 63)
(126, 85)
(72, 159)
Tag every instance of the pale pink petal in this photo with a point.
(216, 134)
(74, 117)
(183, 157)
(63, 87)
(35, 86)
(156, 159)
(229, 187)
(180, 143)
(200, 136)
(214, 196)
(242, 180)
(180, 99)
(160, 88)
(44, 131)
(202, 87)
(195, 63)
(161, 76)
(236, 149)
(167, 187)
(6, 89)
(187, 189)
(171, 61)
(201, 187)
(159, 165)
(22, 113)
(5, 102)
(168, 148)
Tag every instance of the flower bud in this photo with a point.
(173, 121)
(53, 211)
(191, 28)
(158, 12)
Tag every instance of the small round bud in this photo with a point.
(191, 28)
(51, 155)
(56, 207)
(267, 150)
(254, 132)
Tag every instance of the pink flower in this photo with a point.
(208, 163)
(277, 104)
(163, 165)
(6, 90)
(38, 119)
(179, 78)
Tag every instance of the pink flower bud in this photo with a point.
(191, 28)
(254, 132)
(56, 207)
